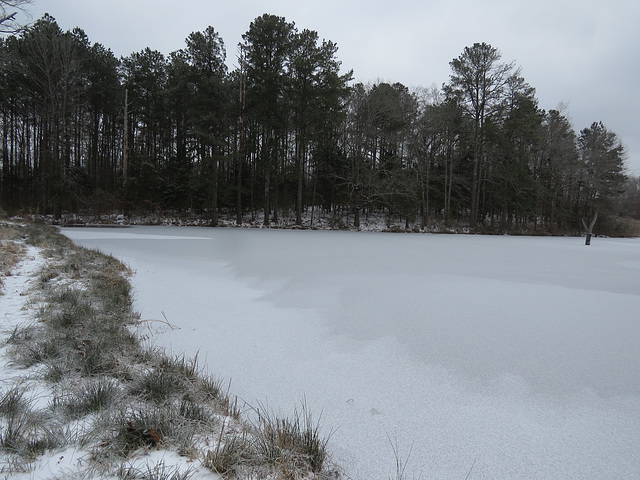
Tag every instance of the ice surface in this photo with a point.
(517, 357)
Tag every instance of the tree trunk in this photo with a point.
(300, 187)
(125, 139)
(214, 190)
(242, 139)
(475, 180)
(589, 229)
(266, 199)
(239, 185)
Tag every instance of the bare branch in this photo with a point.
(8, 21)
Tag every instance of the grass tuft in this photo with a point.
(27, 434)
(401, 465)
(144, 427)
(159, 385)
(211, 387)
(227, 457)
(13, 402)
(291, 443)
(156, 472)
(181, 364)
(92, 397)
(195, 412)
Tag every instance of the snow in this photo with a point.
(510, 357)
(17, 307)
(16, 286)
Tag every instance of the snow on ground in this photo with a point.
(512, 357)
(17, 309)
(16, 287)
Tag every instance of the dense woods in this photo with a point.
(286, 132)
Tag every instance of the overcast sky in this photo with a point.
(581, 53)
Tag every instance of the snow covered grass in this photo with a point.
(289, 443)
(83, 396)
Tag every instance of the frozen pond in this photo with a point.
(516, 357)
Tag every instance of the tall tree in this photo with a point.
(103, 96)
(52, 72)
(478, 82)
(377, 136)
(267, 45)
(438, 146)
(602, 157)
(145, 77)
(206, 54)
(393, 110)
(515, 147)
(629, 204)
(557, 171)
(178, 187)
(315, 92)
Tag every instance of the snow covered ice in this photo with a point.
(512, 357)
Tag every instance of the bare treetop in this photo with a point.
(8, 12)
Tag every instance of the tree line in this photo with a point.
(286, 131)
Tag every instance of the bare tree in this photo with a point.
(9, 9)
(589, 229)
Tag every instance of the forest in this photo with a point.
(287, 132)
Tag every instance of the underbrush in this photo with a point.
(87, 380)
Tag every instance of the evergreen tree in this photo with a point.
(478, 83)
(602, 158)
(81, 128)
(209, 112)
(267, 46)
(511, 189)
(557, 171)
(316, 91)
(149, 132)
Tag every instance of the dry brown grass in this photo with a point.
(11, 250)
